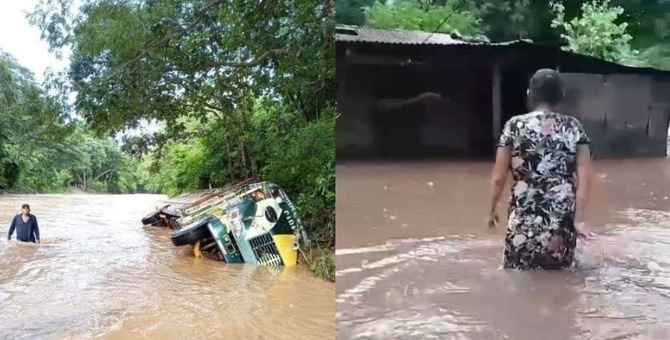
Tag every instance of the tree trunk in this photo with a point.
(244, 150)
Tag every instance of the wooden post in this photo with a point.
(341, 77)
(496, 103)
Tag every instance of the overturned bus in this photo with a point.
(253, 223)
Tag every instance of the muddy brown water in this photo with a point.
(99, 274)
(415, 260)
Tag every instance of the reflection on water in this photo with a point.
(446, 282)
(100, 274)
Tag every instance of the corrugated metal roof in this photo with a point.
(404, 37)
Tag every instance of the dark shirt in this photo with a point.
(26, 232)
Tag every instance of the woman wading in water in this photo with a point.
(550, 161)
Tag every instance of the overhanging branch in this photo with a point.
(104, 173)
(159, 42)
(215, 64)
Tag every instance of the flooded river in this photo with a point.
(98, 273)
(415, 260)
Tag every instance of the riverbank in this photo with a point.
(320, 260)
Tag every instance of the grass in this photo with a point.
(319, 257)
(321, 260)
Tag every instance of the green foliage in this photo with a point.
(243, 91)
(96, 187)
(182, 168)
(190, 58)
(304, 161)
(657, 56)
(41, 152)
(283, 148)
(321, 262)
(621, 31)
(595, 32)
(601, 31)
(419, 15)
(350, 12)
(504, 20)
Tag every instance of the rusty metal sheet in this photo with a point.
(348, 33)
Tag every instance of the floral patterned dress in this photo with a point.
(540, 226)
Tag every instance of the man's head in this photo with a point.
(25, 208)
(545, 88)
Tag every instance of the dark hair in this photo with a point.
(545, 87)
(25, 205)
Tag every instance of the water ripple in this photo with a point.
(99, 273)
(455, 289)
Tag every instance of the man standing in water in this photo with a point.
(26, 226)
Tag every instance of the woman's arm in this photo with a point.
(502, 165)
(584, 171)
(584, 179)
(499, 175)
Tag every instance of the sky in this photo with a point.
(22, 40)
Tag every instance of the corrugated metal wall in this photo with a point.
(625, 115)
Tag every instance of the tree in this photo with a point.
(30, 121)
(190, 57)
(595, 32)
(350, 12)
(237, 86)
(449, 17)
